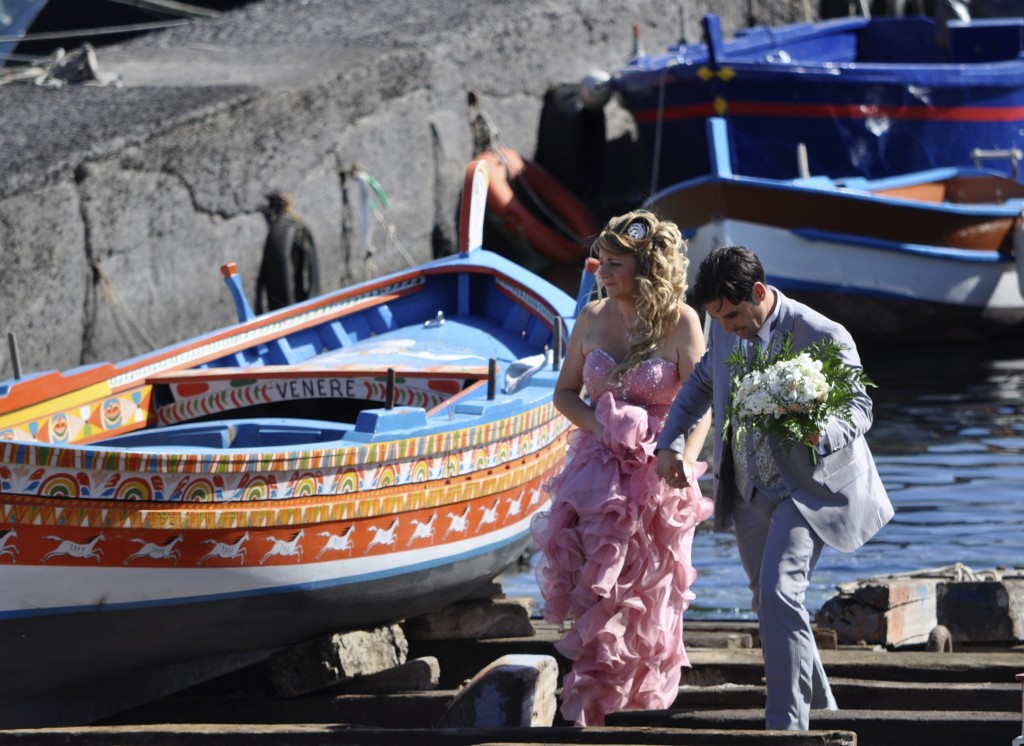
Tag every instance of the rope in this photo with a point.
(120, 308)
(392, 238)
(959, 572)
(484, 130)
(170, 7)
(369, 185)
(101, 31)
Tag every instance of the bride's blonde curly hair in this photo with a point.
(661, 263)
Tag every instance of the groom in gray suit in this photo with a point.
(783, 506)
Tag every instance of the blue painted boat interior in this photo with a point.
(452, 320)
(252, 434)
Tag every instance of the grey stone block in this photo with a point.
(513, 691)
(325, 661)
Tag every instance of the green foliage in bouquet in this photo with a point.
(791, 395)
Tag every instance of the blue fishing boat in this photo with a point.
(870, 97)
(352, 460)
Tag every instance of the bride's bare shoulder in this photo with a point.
(689, 320)
(596, 311)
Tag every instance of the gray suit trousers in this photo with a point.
(779, 550)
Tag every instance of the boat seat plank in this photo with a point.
(934, 192)
(234, 434)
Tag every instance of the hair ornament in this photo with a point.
(637, 230)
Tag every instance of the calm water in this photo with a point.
(948, 437)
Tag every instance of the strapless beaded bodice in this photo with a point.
(653, 384)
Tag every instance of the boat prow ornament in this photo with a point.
(474, 204)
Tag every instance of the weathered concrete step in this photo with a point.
(746, 666)
(708, 634)
(461, 659)
(867, 695)
(415, 710)
(425, 709)
(324, 735)
(873, 727)
(916, 695)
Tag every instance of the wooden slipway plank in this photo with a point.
(309, 735)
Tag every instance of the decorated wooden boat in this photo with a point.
(930, 256)
(352, 460)
(871, 97)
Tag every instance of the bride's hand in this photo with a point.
(674, 469)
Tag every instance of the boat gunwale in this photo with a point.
(872, 199)
(687, 60)
(996, 210)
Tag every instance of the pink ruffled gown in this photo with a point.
(616, 549)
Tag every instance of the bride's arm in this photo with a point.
(567, 397)
(690, 349)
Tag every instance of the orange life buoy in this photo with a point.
(506, 167)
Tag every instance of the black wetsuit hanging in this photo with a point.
(289, 272)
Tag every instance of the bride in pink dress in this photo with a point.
(616, 544)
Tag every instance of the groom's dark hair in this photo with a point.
(728, 272)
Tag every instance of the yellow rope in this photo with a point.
(117, 304)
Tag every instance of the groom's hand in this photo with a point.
(673, 468)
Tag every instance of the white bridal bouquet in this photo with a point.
(791, 395)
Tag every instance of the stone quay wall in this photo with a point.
(118, 205)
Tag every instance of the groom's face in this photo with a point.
(744, 319)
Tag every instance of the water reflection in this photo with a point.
(949, 440)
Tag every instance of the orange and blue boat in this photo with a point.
(353, 460)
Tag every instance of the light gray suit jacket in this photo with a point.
(841, 496)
